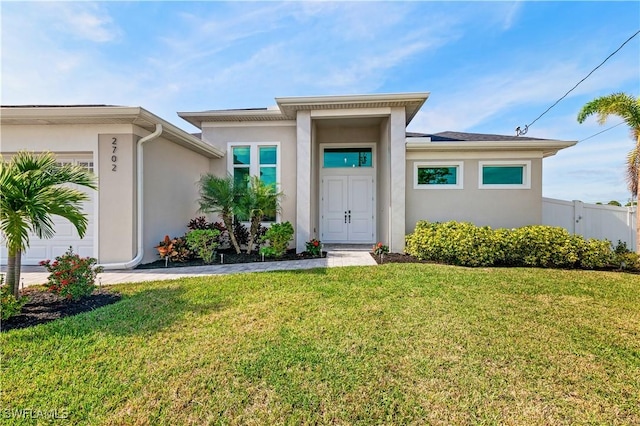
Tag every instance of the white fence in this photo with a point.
(612, 223)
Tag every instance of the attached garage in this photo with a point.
(147, 172)
(66, 235)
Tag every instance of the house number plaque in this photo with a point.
(114, 157)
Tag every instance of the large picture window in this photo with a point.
(505, 174)
(437, 175)
(260, 159)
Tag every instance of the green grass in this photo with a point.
(394, 344)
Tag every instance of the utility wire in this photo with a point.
(520, 131)
(602, 131)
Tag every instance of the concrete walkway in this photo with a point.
(33, 275)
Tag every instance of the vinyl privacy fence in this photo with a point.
(592, 220)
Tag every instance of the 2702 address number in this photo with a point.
(114, 157)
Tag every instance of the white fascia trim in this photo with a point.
(459, 165)
(52, 113)
(351, 112)
(337, 99)
(548, 148)
(232, 116)
(218, 124)
(181, 137)
(526, 174)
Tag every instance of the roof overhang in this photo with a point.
(232, 115)
(138, 116)
(288, 107)
(547, 147)
(412, 102)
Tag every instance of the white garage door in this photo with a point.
(65, 233)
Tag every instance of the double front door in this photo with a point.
(347, 209)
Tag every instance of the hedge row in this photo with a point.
(462, 243)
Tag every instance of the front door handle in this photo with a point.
(349, 216)
(345, 217)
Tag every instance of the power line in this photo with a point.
(602, 131)
(520, 131)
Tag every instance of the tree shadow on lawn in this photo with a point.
(146, 312)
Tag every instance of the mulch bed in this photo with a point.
(397, 258)
(230, 257)
(43, 307)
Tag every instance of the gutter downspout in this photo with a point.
(140, 205)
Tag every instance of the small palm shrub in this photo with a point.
(278, 237)
(71, 276)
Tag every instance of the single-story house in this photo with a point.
(349, 170)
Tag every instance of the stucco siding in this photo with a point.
(347, 134)
(285, 135)
(55, 138)
(171, 175)
(498, 208)
(117, 197)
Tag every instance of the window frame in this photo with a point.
(459, 166)
(254, 159)
(526, 174)
(359, 147)
(254, 164)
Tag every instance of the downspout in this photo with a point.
(140, 205)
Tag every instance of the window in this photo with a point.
(504, 175)
(260, 159)
(347, 157)
(438, 175)
(85, 164)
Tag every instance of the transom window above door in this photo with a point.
(347, 157)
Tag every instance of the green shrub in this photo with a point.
(379, 249)
(596, 254)
(623, 258)
(9, 305)
(278, 236)
(537, 245)
(458, 243)
(204, 243)
(71, 276)
(545, 246)
(314, 247)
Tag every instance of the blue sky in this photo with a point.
(490, 66)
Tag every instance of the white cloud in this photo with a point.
(511, 15)
(87, 21)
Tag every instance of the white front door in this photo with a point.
(347, 209)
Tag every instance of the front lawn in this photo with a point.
(392, 344)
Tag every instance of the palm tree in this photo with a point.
(626, 107)
(260, 201)
(32, 190)
(222, 196)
